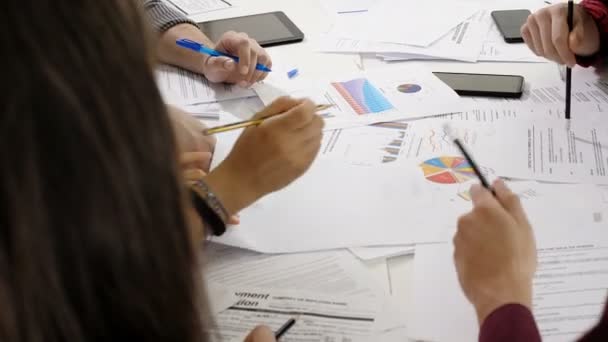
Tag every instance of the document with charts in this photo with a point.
(570, 289)
(393, 141)
(366, 98)
(398, 199)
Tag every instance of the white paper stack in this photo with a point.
(397, 30)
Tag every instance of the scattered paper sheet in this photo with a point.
(548, 151)
(463, 42)
(403, 21)
(372, 253)
(182, 87)
(319, 317)
(396, 194)
(391, 142)
(333, 272)
(366, 98)
(190, 7)
(568, 275)
(347, 6)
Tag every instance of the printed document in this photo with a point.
(367, 98)
(405, 22)
(463, 42)
(570, 290)
(190, 7)
(547, 151)
(319, 317)
(183, 87)
(332, 272)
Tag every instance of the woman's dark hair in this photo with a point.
(94, 243)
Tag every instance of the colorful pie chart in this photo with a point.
(409, 88)
(447, 170)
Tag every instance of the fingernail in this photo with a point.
(244, 70)
(243, 84)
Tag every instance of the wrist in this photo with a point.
(169, 52)
(231, 188)
(492, 300)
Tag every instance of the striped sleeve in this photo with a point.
(164, 17)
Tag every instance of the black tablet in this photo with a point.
(269, 29)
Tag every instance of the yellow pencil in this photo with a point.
(248, 123)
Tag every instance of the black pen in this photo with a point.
(568, 69)
(467, 156)
(471, 162)
(283, 329)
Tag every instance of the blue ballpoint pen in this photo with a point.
(192, 45)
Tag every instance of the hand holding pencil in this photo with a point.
(272, 155)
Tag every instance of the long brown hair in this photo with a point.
(94, 244)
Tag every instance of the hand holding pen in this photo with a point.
(236, 58)
(547, 34)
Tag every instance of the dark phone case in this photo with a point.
(297, 34)
(489, 94)
(510, 40)
(513, 39)
(483, 93)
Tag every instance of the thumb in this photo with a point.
(577, 39)
(584, 39)
(280, 105)
(261, 334)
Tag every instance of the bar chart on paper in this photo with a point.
(362, 96)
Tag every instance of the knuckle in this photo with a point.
(301, 115)
(282, 101)
(531, 20)
(559, 39)
(512, 199)
(230, 35)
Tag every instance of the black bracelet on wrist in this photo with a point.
(210, 218)
(209, 208)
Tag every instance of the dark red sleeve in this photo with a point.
(511, 322)
(600, 332)
(598, 10)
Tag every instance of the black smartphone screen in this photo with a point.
(267, 29)
(483, 84)
(509, 24)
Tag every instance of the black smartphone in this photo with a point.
(511, 86)
(509, 23)
(268, 29)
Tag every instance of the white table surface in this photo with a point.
(311, 17)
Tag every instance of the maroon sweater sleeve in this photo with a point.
(511, 322)
(598, 10)
(514, 322)
(600, 332)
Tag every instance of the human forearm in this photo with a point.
(170, 53)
